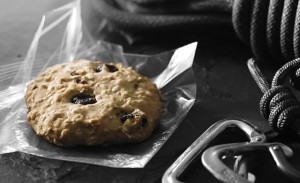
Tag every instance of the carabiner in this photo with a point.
(211, 159)
(189, 155)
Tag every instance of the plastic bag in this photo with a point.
(171, 71)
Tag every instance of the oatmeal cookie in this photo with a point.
(92, 103)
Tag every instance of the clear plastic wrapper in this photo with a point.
(170, 71)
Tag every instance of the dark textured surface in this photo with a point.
(225, 89)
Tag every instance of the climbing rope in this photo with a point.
(172, 15)
(270, 27)
(279, 105)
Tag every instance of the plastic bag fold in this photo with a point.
(170, 71)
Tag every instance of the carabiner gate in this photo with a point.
(189, 155)
(211, 157)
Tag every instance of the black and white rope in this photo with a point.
(278, 104)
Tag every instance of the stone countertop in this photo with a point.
(225, 89)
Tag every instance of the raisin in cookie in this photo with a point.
(91, 103)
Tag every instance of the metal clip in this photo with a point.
(211, 159)
(181, 164)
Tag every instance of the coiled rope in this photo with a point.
(165, 15)
(270, 27)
